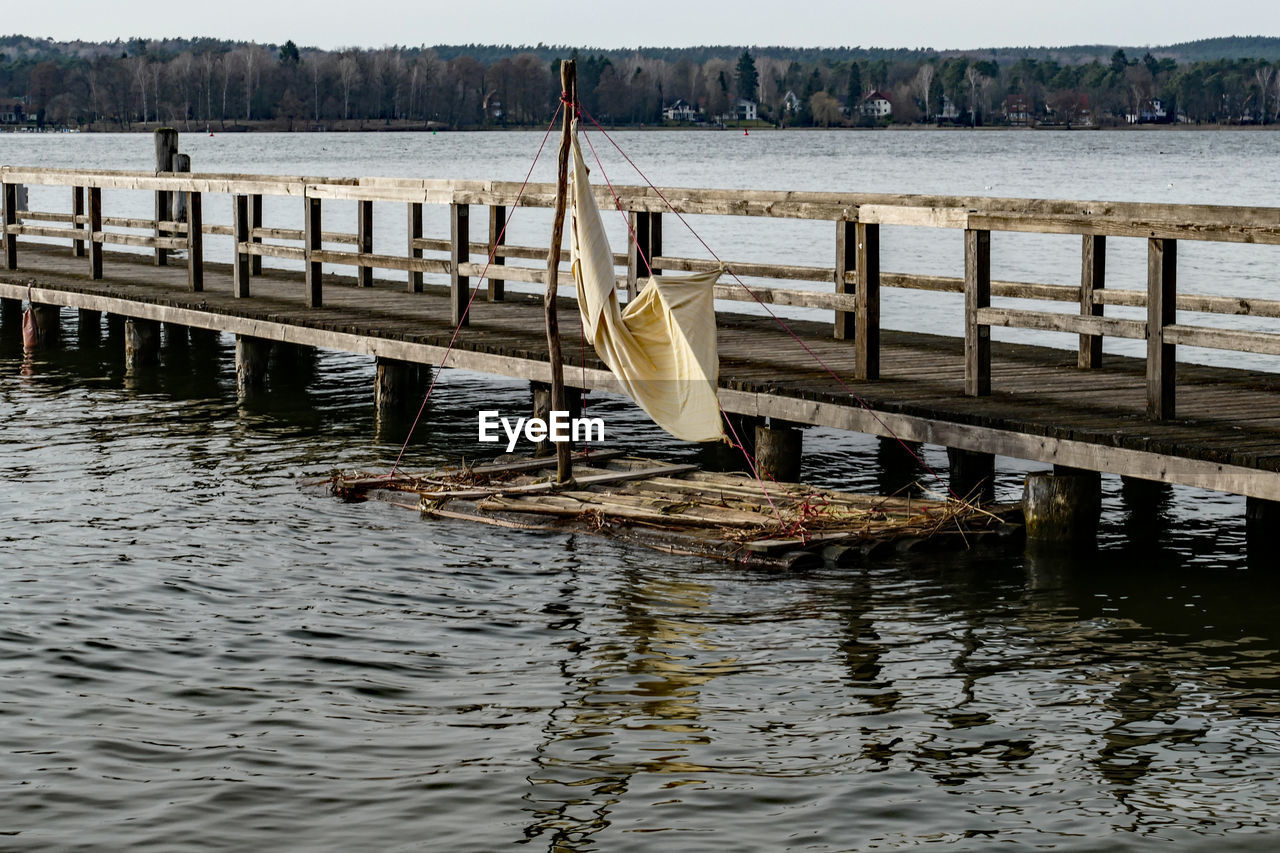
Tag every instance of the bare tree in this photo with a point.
(923, 82)
(349, 76)
(137, 66)
(1263, 74)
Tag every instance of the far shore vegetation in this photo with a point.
(213, 85)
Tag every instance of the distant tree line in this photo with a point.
(218, 84)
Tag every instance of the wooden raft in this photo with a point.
(679, 509)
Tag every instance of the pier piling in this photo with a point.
(542, 409)
(1062, 508)
(400, 387)
(972, 475)
(89, 327)
(252, 358)
(141, 343)
(48, 320)
(779, 450)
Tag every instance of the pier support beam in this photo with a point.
(89, 327)
(899, 465)
(11, 314)
(542, 409)
(1062, 508)
(141, 343)
(1262, 531)
(252, 357)
(973, 475)
(48, 320)
(400, 387)
(778, 450)
(1144, 502)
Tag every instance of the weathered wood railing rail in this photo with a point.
(855, 273)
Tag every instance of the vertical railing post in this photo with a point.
(637, 251)
(1093, 277)
(364, 241)
(866, 335)
(459, 253)
(240, 218)
(311, 245)
(977, 295)
(1162, 295)
(846, 262)
(654, 244)
(415, 251)
(95, 232)
(166, 142)
(195, 242)
(497, 237)
(10, 221)
(77, 213)
(255, 222)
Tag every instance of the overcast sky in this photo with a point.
(938, 24)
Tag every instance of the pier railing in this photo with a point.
(855, 274)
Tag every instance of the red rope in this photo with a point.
(493, 251)
(766, 307)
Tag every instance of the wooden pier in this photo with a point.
(1147, 418)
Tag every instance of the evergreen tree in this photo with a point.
(748, 77)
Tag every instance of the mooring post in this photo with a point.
(973, 475)
(400, 387)
(1093, 277)
(141, 343)
(89, 327)
(542, 407)
(364, 241)
(779, 450)
(497, 238)
(166, 141)
(253, 356)
(1062, 508)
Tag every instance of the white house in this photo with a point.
(876, 104)
(745, 110)
(791, 101)
(681, 110)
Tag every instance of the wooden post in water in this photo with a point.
(166, 140)
(399, 387)
(779, 450)
(253, 356)
(48, 320)
(141, 343)
(972, 475)
(89, 327)
(1093, 277)
(10, 315)
(1062, 508)
(569, 87)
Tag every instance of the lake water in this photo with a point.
(198, 653)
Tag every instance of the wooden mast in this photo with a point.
(569, 85)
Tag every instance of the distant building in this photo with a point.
(791, 102)
(12, 112)
(1017, 111)
(876, 104)
(949, 111)
(1150, 111)
(745, 110)
(681, 110)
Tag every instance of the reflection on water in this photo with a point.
(196, 653)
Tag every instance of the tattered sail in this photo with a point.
(662, 346)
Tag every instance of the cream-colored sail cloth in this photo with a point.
(662, 346)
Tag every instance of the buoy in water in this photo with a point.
(746, 133)
(30, 332)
